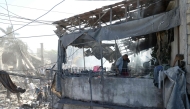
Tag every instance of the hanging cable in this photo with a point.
(38, 9)
(73, 53)
(23, 18)
(28, 25)
(20, 17)
(19, 21)
(32, 36)
(36, 18)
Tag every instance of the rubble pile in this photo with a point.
(27, 100)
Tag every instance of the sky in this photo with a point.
(25, 8)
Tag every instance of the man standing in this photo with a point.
(39, 94)
(45, 92)
(122, 65)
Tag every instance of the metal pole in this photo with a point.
(99, 21)
(51, 83)
(126, 10)
(101, 52)
(51, 72)
(50, 89)
(116, 50)
(110, 15)
(42, 58)
(138, 9)
(90, 82)
(84, 59)
(79, 24)
(42, 53)
(100, 45)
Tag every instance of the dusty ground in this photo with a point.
(27, 98)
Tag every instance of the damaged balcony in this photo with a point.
(133, 27)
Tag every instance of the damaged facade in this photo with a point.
(139, 25)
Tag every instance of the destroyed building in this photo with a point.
(20, 70)
(162, 26)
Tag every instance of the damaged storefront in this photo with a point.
(138, 29)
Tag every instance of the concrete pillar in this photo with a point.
(184, 32)
(174, 46)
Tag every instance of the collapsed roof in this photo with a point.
(118, 21)
(116, 13)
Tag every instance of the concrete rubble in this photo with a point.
(27, 99)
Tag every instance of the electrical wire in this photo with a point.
(35, 19)
(19, 21)
(32, 36)
(73, 53)
(38, 9)
(20, 17)
(15, 16)
(28, 25)
(23, 18)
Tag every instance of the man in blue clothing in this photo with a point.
(122, 65)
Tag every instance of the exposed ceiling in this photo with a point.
(112, 14)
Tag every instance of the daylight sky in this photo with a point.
(24, 8)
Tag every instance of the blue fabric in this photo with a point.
(175, 94)
(156, 73)
(119, 63)
(37, 91)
